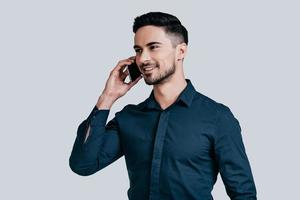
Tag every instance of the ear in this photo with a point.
(181, 51)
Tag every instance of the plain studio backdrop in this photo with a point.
(55, 58)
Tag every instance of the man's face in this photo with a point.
(155, 55)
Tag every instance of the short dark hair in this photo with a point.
(170, 23)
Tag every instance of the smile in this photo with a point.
(148, 69)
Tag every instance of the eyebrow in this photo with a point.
(149, 44)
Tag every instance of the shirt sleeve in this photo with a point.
(97, 144)
(231, 157)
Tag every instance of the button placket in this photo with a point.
(157, 153)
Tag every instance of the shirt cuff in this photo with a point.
(98, 117)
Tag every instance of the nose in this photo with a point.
(144, 57)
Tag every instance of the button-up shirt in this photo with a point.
(171, 154)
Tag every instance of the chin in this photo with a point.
(148, 82)
(152, 81)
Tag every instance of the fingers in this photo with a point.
(132, 83)
(124, 74)
(121, 65)
(132, 58)
(119, 72)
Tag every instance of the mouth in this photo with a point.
(148, 69)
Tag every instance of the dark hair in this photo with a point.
(170, 23)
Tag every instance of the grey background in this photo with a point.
(55, 57)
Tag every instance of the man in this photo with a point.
(176, 141)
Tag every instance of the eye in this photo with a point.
(137, 50)
(154, 47)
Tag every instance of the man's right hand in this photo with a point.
(115, 86)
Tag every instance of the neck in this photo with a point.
(167, 92)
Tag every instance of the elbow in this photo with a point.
(81, 169)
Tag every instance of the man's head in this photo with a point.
(160, 43)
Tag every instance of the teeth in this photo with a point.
(148, 69)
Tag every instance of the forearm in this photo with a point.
(104, 102)
(84, 155)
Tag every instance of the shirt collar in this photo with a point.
(186, 97)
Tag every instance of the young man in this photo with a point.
(176, 141)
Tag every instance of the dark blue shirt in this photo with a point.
(171, 154)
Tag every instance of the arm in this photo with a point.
(96, 145)
(231, 157)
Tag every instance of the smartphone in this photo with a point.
(134, 71)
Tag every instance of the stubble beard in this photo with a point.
(160, 77)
